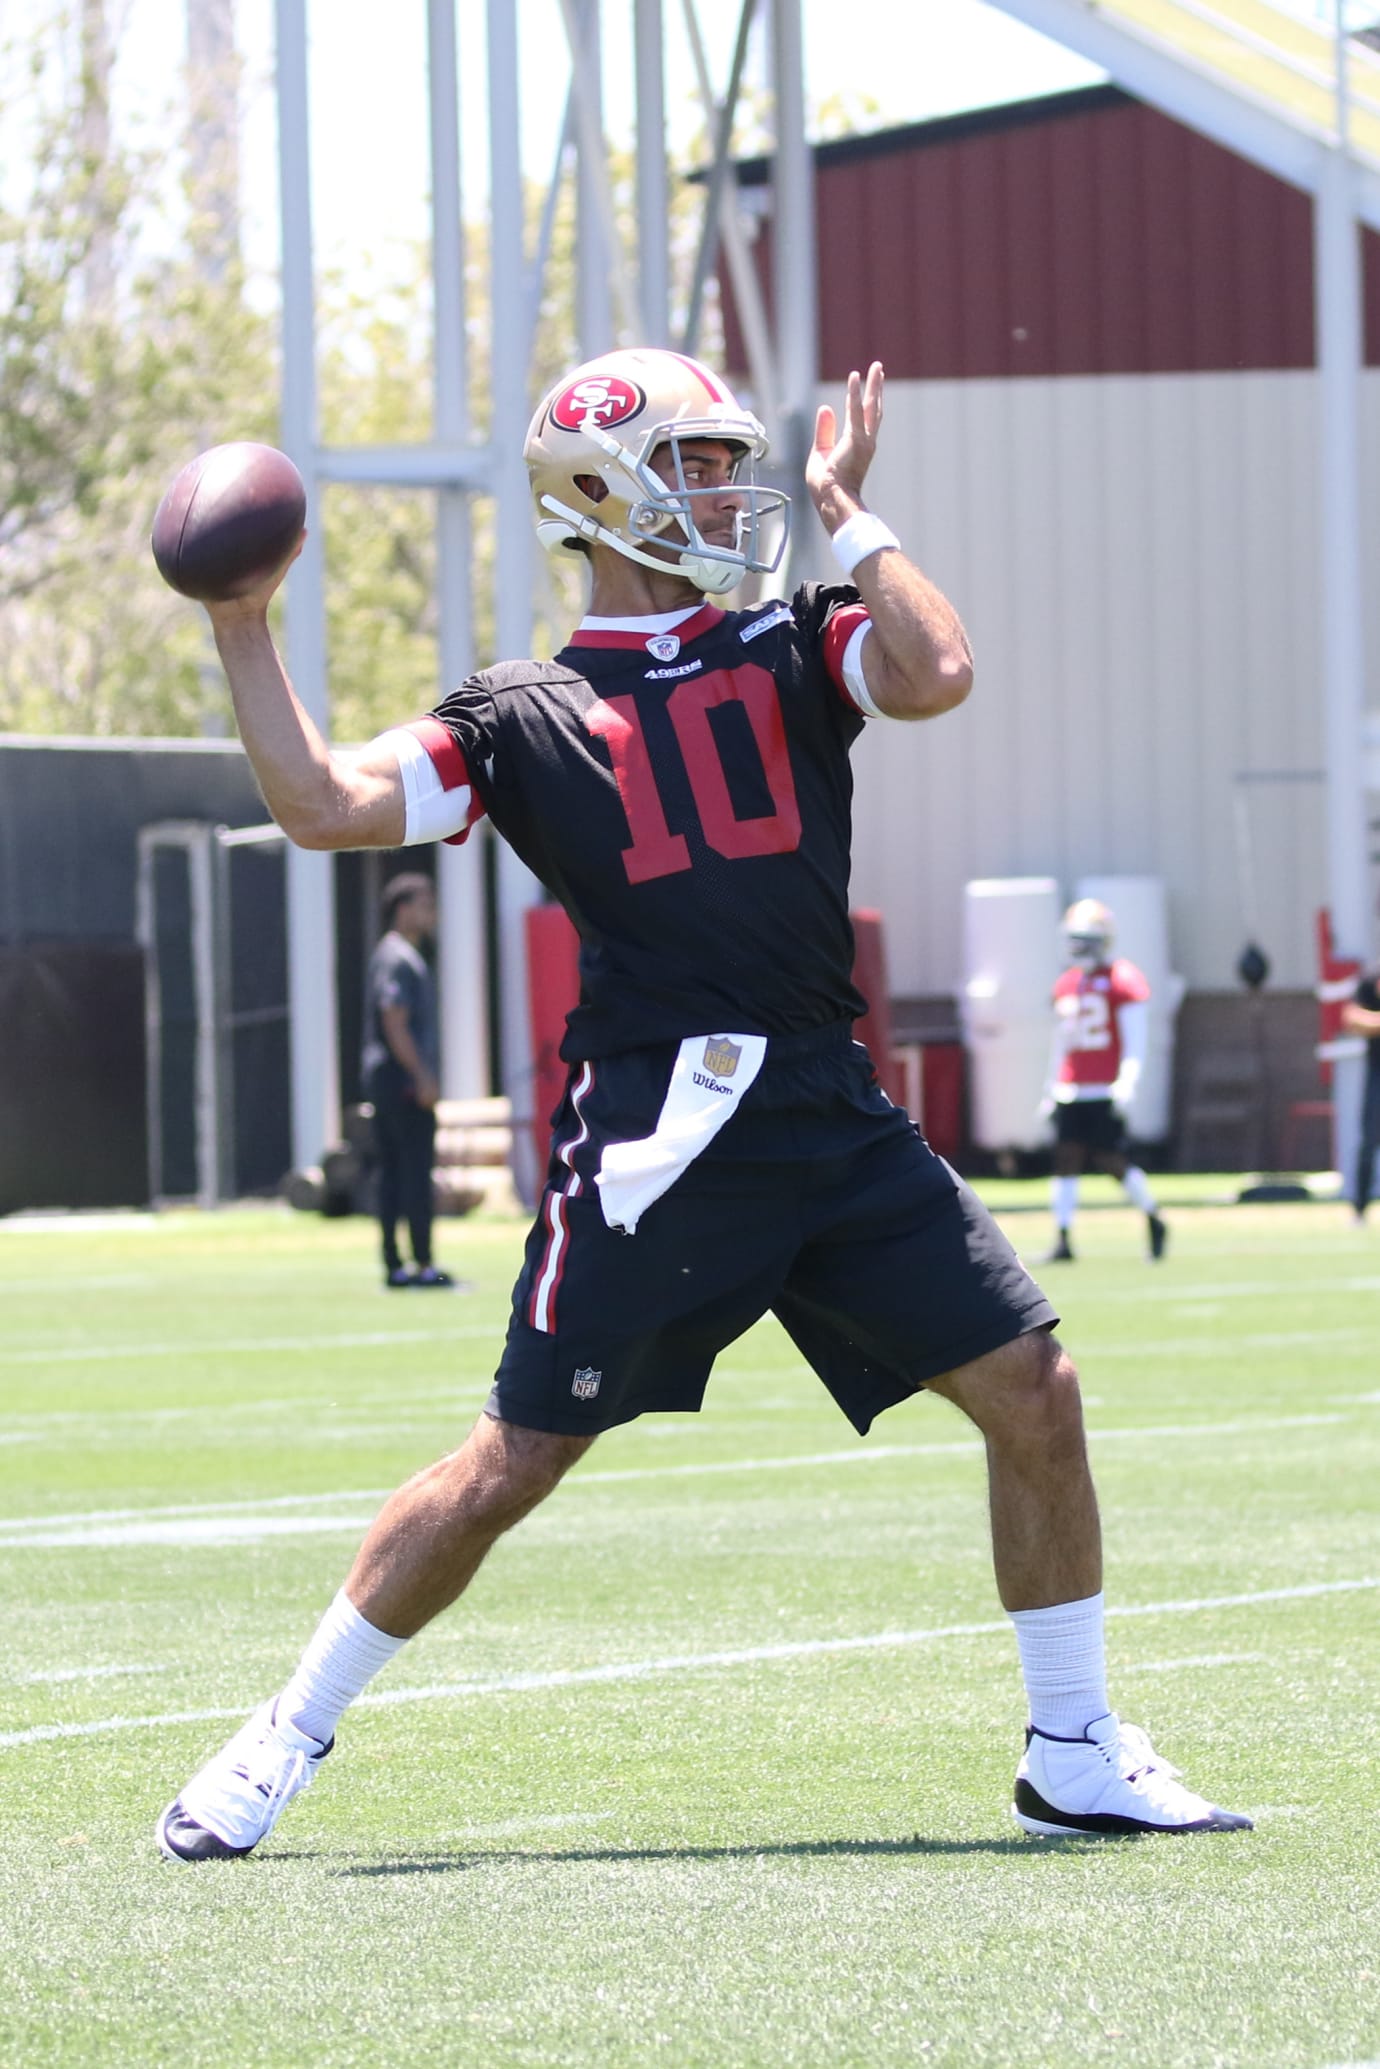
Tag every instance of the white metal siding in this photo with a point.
(1135, 559)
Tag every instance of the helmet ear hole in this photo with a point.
(591, 485)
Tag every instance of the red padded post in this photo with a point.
(553, 987)
(869, 974)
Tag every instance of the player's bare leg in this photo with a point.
(1046, 1537)
(428, 1540)
(1084, 1772)
(421, 1552)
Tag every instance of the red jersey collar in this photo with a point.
(699, 622)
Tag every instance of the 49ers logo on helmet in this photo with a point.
(598, 400)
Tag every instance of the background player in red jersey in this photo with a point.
(1099, 1053)
(678, 776)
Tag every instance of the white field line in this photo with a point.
(1194, 1347)
(1181, 1295)
(434, 1400)
(364, 1339)
(245, 1522)
(90, 1674)
(683, 1663)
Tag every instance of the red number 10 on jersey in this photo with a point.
(655, 850)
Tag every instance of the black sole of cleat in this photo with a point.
(193, 1842)
(1044, 1821)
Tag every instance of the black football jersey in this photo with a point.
(687, 797)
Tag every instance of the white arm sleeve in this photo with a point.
(1133, 1024)
(853, 673)
(433, 812)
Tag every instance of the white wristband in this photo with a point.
(862, 534)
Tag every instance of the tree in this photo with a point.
(102, 396)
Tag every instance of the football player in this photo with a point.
(1098, 1056)
(678, 777)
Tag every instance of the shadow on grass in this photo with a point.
(797, 1849)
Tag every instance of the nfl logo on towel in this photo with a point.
(585, 1384)
(721, 1056)
(664, 647)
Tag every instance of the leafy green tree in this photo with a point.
(99, 405)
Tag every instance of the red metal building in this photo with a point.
(1084, 233)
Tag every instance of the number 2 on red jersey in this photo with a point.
(655, 850)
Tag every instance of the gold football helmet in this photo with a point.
(607, 419)
(1088, 933)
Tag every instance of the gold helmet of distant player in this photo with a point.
(1088, 932)
(606, 420)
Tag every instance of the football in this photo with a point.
(230, 517)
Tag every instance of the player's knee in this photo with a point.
(1026, 1391)
(1046, 1396)
(522, 1467)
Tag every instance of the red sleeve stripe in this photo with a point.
(445, 755)
(837, 633)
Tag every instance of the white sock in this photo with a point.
(1065, 1197)
(1064, 1663)
(1137, 1187)
(342, 1659)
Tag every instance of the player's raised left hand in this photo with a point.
(839, 460)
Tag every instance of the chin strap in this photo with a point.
(713, 577)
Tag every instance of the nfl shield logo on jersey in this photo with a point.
(585, 1384)
(664, 647)
(721, 1056)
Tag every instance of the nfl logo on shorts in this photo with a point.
(721, 1056)
(585, 1384)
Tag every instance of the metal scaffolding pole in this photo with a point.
(796, 284)
(310, 877)
(459, 870)
(1340, 347)
(597, 249)
(517, 887)
(457, 468)
(653, 208)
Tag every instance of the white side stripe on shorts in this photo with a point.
(541, 1311)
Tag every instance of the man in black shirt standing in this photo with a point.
(678, 777)
(1361, 1015)
(400, 1067)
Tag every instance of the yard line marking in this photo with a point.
(456, 1393)
(773, 1465)
(196, 1508)
(683, 1663)
(242, 1521)
(41, 1223)
(1188, 1346)
(190, 1532)
(88, 1283)
(1201, 1659)
(1183, 1294)
(87, 1674)
(76, 1354)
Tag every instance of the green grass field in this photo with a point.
(712, 1769)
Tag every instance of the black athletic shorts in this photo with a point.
(817, 1200)
(1093, 1123)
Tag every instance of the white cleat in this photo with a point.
(238, 1797)
(1109, 1783)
